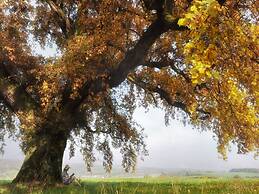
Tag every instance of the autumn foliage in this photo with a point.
(196, 60)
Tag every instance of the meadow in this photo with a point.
(158, 185)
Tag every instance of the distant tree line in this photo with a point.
(249, 170)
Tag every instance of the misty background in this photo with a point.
(173, 147)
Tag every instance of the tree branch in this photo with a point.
(166, 96)
(13, 91)
(162, 93)
(6, 101)
(155, 64)
(161, 64)
(64, 21)
(135, 56)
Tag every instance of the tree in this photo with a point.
(197, 60)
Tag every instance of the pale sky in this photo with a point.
(175, 146)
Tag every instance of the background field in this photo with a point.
(158, 185)
(150, 181)
(9, 168)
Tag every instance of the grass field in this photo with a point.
(174, 185)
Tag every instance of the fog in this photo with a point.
(172, 147)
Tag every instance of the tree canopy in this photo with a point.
(195, 59)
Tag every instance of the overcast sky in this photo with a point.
(176, 146)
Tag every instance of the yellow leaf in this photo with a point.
(182, 22)
(216, 74)
(208, 73)
(195, 81)
(194, 9)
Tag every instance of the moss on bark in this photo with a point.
(43, 163)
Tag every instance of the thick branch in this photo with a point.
(15, 98)
(13, 92)
(136, 56)
(133, 58)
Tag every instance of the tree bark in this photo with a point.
(43, 163)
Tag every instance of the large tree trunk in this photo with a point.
(44, 162)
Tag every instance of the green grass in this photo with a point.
(174, 185)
